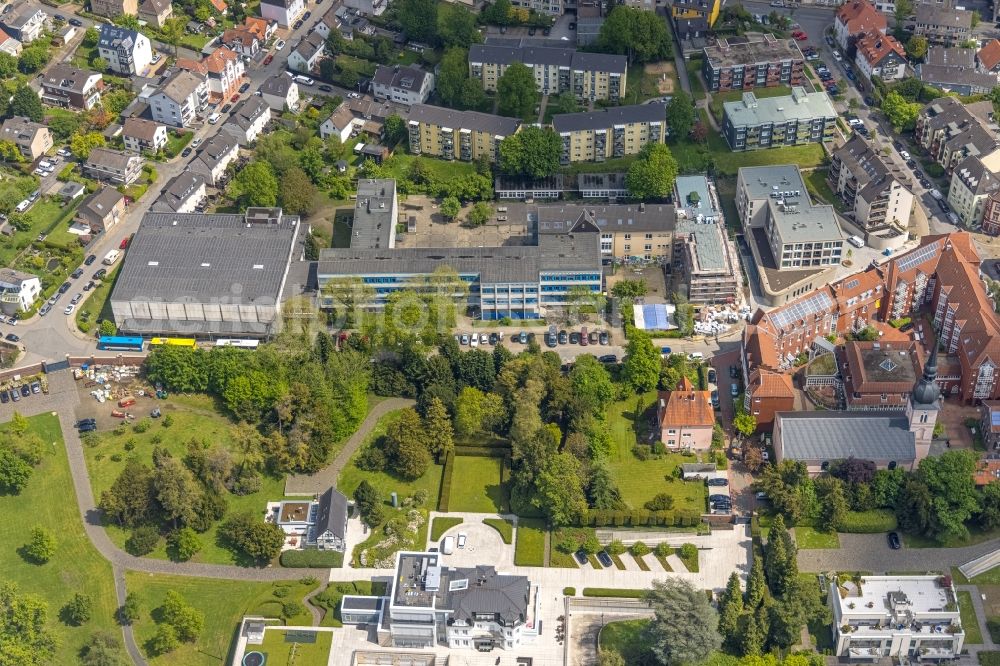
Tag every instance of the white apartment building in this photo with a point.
(972, 182)
(179, 101)
(284, 12)
(127, 51)
(911, 617)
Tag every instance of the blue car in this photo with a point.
(833, 90)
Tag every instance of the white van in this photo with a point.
(111, 257)
(696, 356)
(304, 80)
(448, 545)
(856, 241)
(23, 206)
(214, 118)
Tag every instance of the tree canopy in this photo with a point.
(641, 35)
(652, 174)
(531, 153)
(516, 91)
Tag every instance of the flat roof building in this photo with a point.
(753, 60)
(205, 275)
(701, 248)
(769, 122)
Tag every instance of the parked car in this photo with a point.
(718, 481)
(604, 559)
(88, 286)
(4, 397)
(36, 388)
(581, 557)
(563, 337)
(268, 59)
(76, 299)
(464, 339)
(297, 25)
(12, 338)
(75, 22)
(715, 399)
(584, 337)
(25, 390)
(894, 542)
(733, 372)
(484, 339)
(77, 273)
(574, 338)
(123, 244)
(604, 338)
(734, 389)
(64, 287)
(608, 358)
(44, 310)
(245, 87)
(14, 395)
(462, 538)
(494, 338)
(69, 309)
(90, 427)
(90, 259)
(522, 337)
(713, 378)
(326, 88)
(592, 337)
(278, 45)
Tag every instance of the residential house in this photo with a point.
(283, 12)
(223, 69)
(988, 57)
(113, 166)
(972, 182)
(113, 8)
(854, 19)
(356, 115)
(330, 531)
(988, 469)
(896, 617)
(942, 24)
(450, 134)
(69, 87)
(767, 393)
(877, 197)
(951, 131)
(156, 12)
(214, 157)
(402, 84)
(880, 55)
(181, 98)
(795, 119)
(23, 21)
(954, 69)
(280, 92)
(71, 190)
(617, 131)
(182, 194)
(880, 376)
(705, 10)
(307, 53)
(550, 7)
(685, 417)
(368, 7)
(220, 6)
(330, 22)
(18, 290)
(991, 215)
(753, 60)
(241, 41)
(127, 51)
(31, 138)
(102, 210)
(9, 45)
(248, 120)
(141, 135)
(590, 76)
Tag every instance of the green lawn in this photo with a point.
(810, 537)
(641, 480)
(442, 524)
(477, 486)
(973, 634)
(43, 218)
(280, 652)
(176, 142)
(576, 536)
(224, 603)
(503, 526)
(529, 548)
(629, 640)
(398, 166)
(820, 189)
(194, 418)
(331, 596)
(48, 500)
(694, 77)
(720, 98)
(976, 535)
(96, 305)
(59, 217)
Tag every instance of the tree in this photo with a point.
(129, 501)
(629, 289)
(395, 129)
(127, 21)
(116, 101)
(8, 66)
(438, 430)
(26, 103)
(176, 491)
(450, 207)
(902, 114)
(91, 37)
(949, 478)
(480, 214)
(916, 46)
(903, 10)
(532, 153)
(42, 545)
(745, 423)
(82, 143)
(418, 19)
(98, 64)
(753, 635)
(730, 611)
(652, 174)
(456, 26)
(641, 370)
(24, 636)
(185, 543)
(14, 472)
(129, 611)
(256, 185)
(258, 540)
(297, 192)
(914, 506)
(453, 73)
(516, 91)
(680, 114)
(34, 58)
(756, 586)
(142, 541)
(833, 503)
(78, 609)
(186, 620)
(989, 505)
(683, 629)
(559, 489)
(641, 35)
(164, 640)
(780, 562)
(103, 649)
(9, 152)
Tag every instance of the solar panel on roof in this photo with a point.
(995, 418)
(852, 284)
(816, 303)
(918, 256)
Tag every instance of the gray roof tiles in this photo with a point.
(332, 515)
(615, 115)
(545, 55)
(470, 120)
(826, 436)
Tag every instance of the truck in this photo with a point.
(448, 545)
(111, 257)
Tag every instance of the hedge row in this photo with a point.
(868, 522)
(569, 591)
(621, 593)
(599, 518)
(449, 468)
(312, 559)
(482, 451)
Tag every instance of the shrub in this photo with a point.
(312, 559)
(641, 452)
(616, 547)
(168, 421)
(662, 502)
(449, 469)
(372, 459)
(662, 549)
(142, 541)
(78, 609)
(504, 527)
(281, 592)
(639, 549)
(868, 522)
(620, 593)
(142, 425)
(291, 609)
(42, 546)
(129, 444)
(569, 591)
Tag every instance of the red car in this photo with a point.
(235, 98)
(269, 58)
(800, 36)
(123, 244)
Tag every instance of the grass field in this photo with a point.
(96, 306)
(628, 639)
(194, 418)
(976, 535)
(48, 500)
(224, 603)
(694, 78)
(973, 634)
(503, 526)
(529, 547)
(280, 652)
(331, 596)
(442, 524)
(810, 537)
(820, 190)
(477, 487)
(398, 166)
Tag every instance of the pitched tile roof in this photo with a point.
(140, 128)
(987, 471)
(686, 406)
(217, 60)
(989, 55)
(860, 16)
(875, 47)
(767, 384)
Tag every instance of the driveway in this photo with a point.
(871, 552)
(483, 543)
